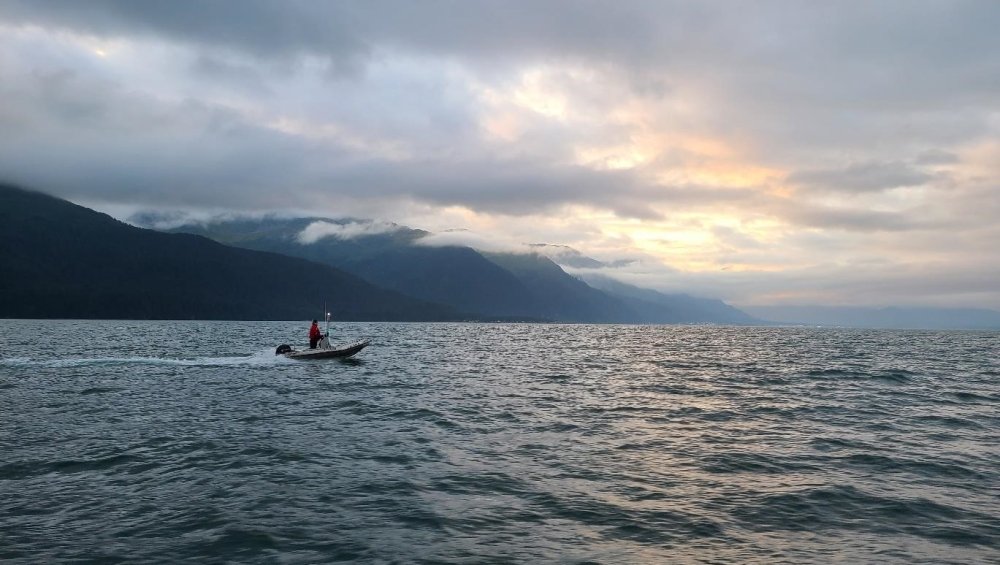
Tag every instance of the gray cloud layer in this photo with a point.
(876, 119)
(862, 177)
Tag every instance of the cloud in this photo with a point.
(103, 141)
(870, 176)
(853, 219)
(937, 157)
(286, 29)
(490, 243)
(348, 230)
(735, 238)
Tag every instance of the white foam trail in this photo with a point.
(261, 358)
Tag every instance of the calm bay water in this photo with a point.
(172, 441)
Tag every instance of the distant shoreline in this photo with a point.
(774, 325)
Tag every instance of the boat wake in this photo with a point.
(263, 357)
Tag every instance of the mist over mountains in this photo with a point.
(487, 285)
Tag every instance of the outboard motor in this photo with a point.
(282, 349)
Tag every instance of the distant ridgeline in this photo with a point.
(60, 260)
(484, 286)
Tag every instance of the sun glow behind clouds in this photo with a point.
(728, 151)
(595, 121)
(535, 94)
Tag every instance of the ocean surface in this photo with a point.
(163, 442)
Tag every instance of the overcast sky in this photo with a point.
(762, 152)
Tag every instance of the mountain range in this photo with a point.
(492, 286)
(655, 307)
(61, 260)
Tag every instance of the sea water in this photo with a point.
(512, 443)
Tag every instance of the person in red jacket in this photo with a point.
(314, 335)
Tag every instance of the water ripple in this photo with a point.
(190, 441)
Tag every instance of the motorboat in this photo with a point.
(323, 350)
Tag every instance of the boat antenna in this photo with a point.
(327, 312)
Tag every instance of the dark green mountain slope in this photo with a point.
(459, 277)
(560, 296)
(60, 260)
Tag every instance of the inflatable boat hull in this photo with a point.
(327, 352)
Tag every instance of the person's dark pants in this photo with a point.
(313, 341)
